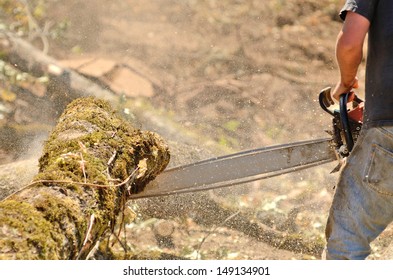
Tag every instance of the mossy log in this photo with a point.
(90, 164)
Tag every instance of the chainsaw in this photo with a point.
(262, 163)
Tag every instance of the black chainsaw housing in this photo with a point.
(346, 129)
(342, 143)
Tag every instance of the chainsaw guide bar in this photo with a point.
(242, 167)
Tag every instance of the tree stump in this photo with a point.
(91, 163)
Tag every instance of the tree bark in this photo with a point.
(91, 163)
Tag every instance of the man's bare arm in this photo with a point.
(349, 51)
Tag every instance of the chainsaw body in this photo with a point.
(347, 120)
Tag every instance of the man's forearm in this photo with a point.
(349, 57)
(349, 52)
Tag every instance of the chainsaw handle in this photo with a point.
(325, 100)
(344, 119)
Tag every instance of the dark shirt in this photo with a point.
(379, 67)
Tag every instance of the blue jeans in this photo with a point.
(363, 202)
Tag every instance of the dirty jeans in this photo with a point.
(363, 202)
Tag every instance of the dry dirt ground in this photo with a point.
(233, 75)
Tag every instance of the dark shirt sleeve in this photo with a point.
(362, 7)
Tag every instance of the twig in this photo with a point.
(123, 203)
(93, 250)
(110, 162)
(121, 243)
(82, 164)
(213, 230)
(92, 217)
(91, 222)
(91, 185)
(34, 28)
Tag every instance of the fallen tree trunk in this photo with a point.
(91, 163)
(64, 84)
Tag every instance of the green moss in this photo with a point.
(62, 212)
(30, 229)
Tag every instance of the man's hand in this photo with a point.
(342, 89)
